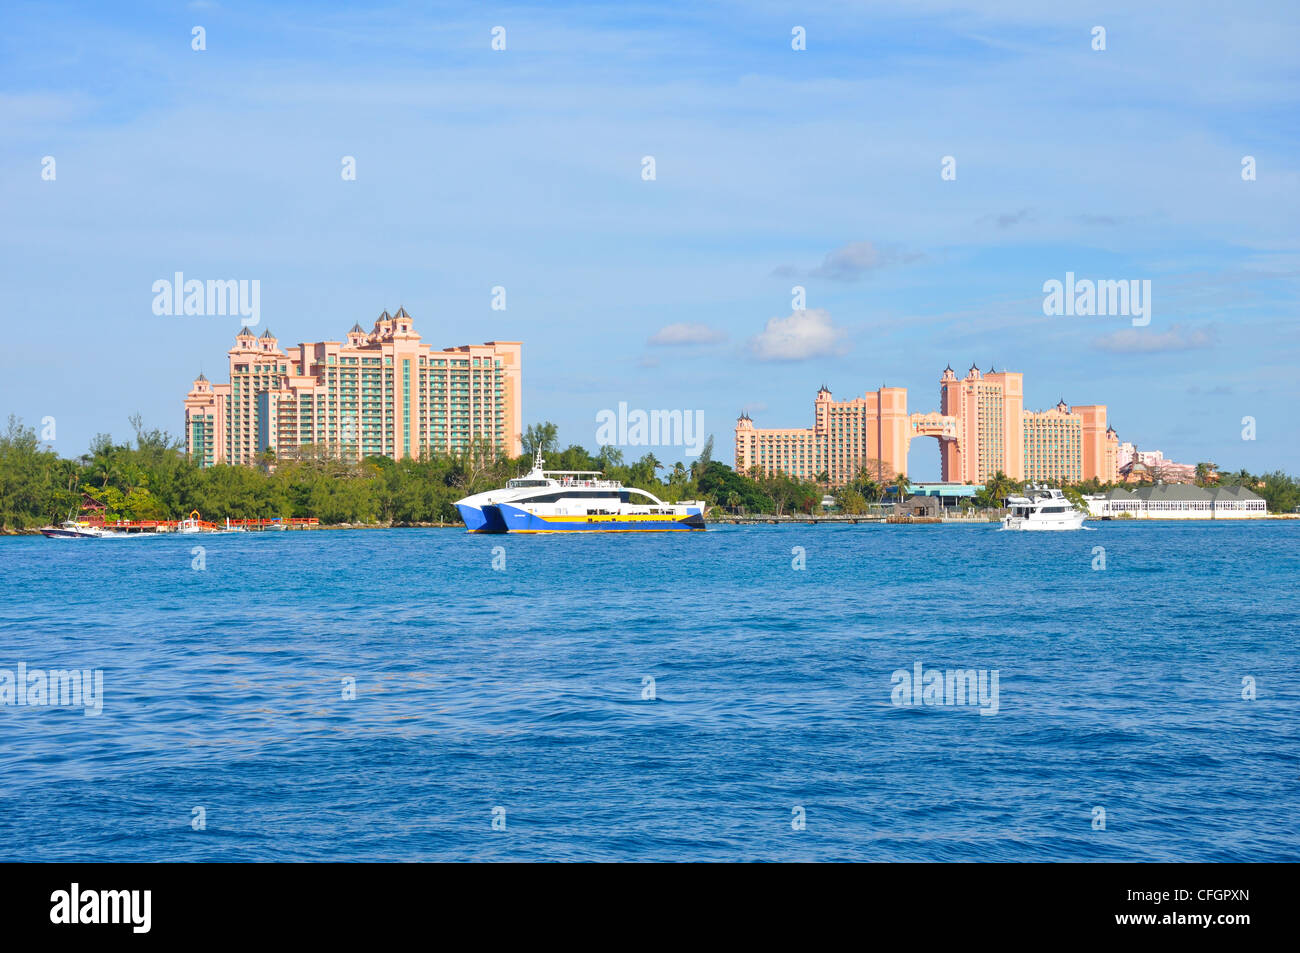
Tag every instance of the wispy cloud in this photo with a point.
(1142, 341)
(851, 262)
(799, 336)
(685, 333)
(1007, 219)
(1100, 220)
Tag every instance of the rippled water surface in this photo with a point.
(523, 689)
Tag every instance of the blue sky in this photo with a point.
(522, 168)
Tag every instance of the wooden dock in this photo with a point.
(799, 518)
(803, 518)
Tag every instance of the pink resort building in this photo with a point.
(981, 425)
(379, 392)
(1150, 466)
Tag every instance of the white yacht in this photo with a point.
(567, 501)
(1042, 508)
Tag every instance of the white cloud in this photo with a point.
(685, 333)
(1142, 341)
(799, 336)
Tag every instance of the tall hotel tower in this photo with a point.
(381, 392)
(982, 428)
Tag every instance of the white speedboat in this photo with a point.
(76, 529)
(569, 501)
(1042, 508)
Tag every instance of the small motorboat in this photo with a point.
(76, 529)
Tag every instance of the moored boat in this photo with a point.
(1042, 508)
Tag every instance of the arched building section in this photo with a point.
(982, 428)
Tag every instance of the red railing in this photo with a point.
(254, 523)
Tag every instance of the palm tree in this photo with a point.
(900, 485)
(1203, 472)
(999, 487)
(105, 468)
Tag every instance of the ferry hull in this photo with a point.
(493, 521)
(518, 520)
(473, 517)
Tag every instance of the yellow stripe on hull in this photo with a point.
(615, 518)
(666, 529)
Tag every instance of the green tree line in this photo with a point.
(150, 477)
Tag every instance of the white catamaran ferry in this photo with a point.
(1042, 508)
(568, 501)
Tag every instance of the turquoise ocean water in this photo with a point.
(679, 696)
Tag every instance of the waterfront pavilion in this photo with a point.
(949, 494)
